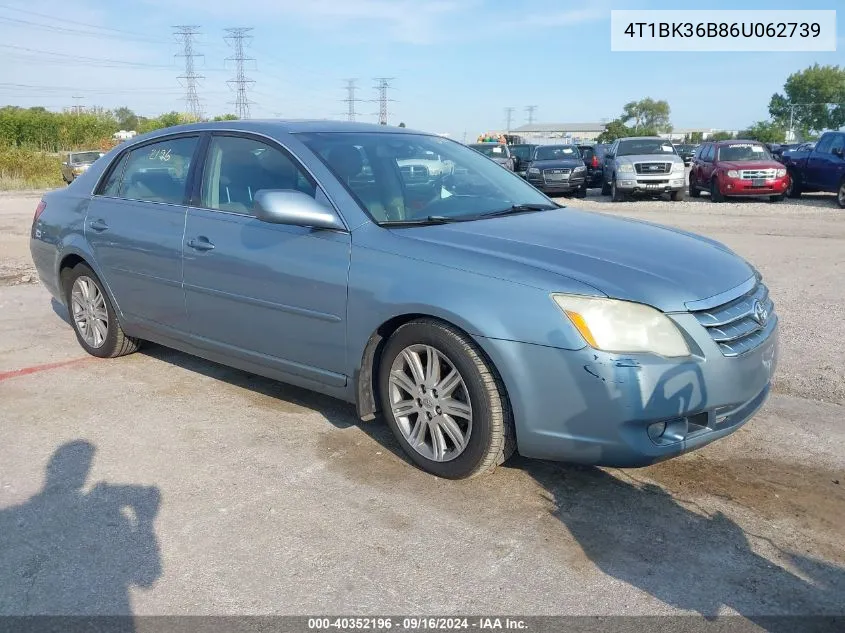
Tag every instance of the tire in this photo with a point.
(115, 342)
(778, 198)
(694, 191)
(615, 194)
(487, 434)
(677, 196)
(715, 194)
(605, 187)
(840, 195)
(581, 192)
(793, 189)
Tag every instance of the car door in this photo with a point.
(274, 294)
(135, 223)
(609, 157)
(706, 169)
(825, 164)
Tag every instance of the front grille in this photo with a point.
(735, 327)
(751, 174)
(653, 168)
(547, 172)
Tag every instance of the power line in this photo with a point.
(59, 29)
(65, 58)
(509, 118)
(530, 110)
(382, 86)
(186, 34)
(237, 37)
(65, 20)
(351, 100)
(77, 107)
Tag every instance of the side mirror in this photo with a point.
(837, 151)
(286, 206)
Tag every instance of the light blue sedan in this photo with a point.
(474, 314)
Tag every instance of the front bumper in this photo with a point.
(631, 182)
(593, 407)
(558, 186)
(740, 187)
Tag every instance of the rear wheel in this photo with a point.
(694, 191)
(605, 187)
(444, 401)
(92, 316)
(715, 193)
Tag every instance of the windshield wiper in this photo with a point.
(432, 219)
(519, 208)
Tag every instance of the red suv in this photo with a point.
(737, 168)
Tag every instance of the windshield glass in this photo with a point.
(84, 157)
(460, 183)
(493, 150)
(739, 152)
(686, 148)
(635, 146)
(523, 152)
(557, 152)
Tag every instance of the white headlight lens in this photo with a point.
(622, 326)
(625, 167)
(733, 173)
(781, 173)
(533, 170)
(580, 168)
(677, 167)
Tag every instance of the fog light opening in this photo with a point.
(656, 430)
(670, 432)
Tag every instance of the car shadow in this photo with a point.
(73, 549)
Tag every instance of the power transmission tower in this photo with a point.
(509, 117)
(382, 86)
(351, 100)
(77, 107)
(185, 34)
(237, 37)
(530, 110)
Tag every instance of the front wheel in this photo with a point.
(92, 316)
(715, 192)
(777, 198)
(444, 401)
(677, 196)
(581, 192)
(694, 191)
(615, 194)
(793, 187)
(840, 195)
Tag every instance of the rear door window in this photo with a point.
(158, 172)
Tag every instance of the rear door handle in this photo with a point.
(98, 225)
(200, 244)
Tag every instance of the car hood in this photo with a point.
(750, 164)
(499, 159)
(559, 163)
(621, 258)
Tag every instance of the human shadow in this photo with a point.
(68, 551)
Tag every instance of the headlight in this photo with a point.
(534, 171)
(781, 173)
(677, 167)
(622, 326)
(733, 173)
(579, 169)
(625, 167)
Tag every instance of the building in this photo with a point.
(548, 133)
(124, 135)
(681, 133)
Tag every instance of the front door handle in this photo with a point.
(98, 225)
(200, 244)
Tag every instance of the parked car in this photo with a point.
(558, 169)
(821, 168)
(642, 165)
(498, 152)
(77, 162)
(593, 156)
(481, 320)
(737, 168)
(686, 151)
(522, 156)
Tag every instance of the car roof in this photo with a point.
(643, 138)
(733, 141)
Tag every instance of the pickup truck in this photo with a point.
(819, 169)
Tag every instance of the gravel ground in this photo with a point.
(223, 493)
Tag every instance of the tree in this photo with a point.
(814, 99)
(647, 115)
(720, 136)
(225, 117)
(126, 119)
(765, 132)
(402, 124)
(614, 130)
(696, 138)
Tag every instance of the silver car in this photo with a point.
(78, 163)
(497, 152)
(643, 165)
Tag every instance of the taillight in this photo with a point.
(39, 210)
(595, 161)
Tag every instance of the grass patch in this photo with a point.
(28, 169)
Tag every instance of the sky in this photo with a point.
(456, 64)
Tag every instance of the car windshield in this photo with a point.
(557, 152)
(461, 185)
(82, 158)
(523, 152)
(493, 150)
(635, 146)
(739, 152)
(686, 148)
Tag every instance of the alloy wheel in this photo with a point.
(430, 402)
(88, 310)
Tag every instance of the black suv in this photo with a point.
(686, 151)
(594, 160)
(522, 154)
